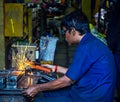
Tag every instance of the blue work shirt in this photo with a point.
(93, 72)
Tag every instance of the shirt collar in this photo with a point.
(87, 35)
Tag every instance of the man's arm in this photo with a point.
(60, 69)
(56, 84)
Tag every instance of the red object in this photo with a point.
(56, 68)
(38, 67)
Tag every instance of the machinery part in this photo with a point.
(11, 82)
(45, 78)
(2, 82)
(22, 52)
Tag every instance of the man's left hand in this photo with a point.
(31, 91)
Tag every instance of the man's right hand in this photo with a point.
(52, 67)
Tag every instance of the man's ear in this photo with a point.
(73, 31)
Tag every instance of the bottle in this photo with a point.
(37, 54)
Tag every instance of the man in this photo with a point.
(91, 75)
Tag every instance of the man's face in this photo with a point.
(68, 36)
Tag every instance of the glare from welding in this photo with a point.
(21, 59)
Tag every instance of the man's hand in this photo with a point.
(52, 67)
(31, 91)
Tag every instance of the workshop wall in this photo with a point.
(2, 47)
(26, 22)
(64, 53)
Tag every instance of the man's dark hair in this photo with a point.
(78, 20)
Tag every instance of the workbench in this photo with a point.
(12, 85)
